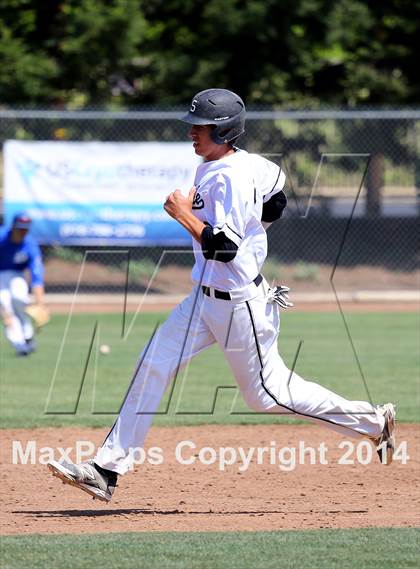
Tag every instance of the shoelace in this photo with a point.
(280, 296)
(87, 470)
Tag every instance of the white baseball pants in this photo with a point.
(247, 331)
(14, 298)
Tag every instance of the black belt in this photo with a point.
(222, 295)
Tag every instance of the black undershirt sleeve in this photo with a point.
(273, 208)
(217, 247)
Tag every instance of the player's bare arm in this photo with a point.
(39, 294)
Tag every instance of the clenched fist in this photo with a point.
(177, 204)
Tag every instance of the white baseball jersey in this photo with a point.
(229, 197)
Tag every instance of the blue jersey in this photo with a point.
(21, 256)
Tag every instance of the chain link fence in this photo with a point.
(353, 183)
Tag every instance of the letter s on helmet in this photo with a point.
(221, 108)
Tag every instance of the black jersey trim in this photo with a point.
(277, 179)
(235, 232)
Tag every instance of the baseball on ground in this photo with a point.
(104, 349)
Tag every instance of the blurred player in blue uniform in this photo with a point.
(19, 252)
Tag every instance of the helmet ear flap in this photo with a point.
(230, 132)
(224, 133)
(219, 136)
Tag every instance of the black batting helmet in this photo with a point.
(221, 108)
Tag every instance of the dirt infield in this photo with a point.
(176, 497)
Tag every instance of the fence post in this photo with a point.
(374, 185)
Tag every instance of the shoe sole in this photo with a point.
(390, 442)
(66, 478)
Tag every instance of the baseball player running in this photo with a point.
(18, 252)
(235, 197)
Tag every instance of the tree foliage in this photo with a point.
(120, 53)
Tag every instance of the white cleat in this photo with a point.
(85, 476)
(385, 444)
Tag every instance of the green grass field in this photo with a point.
(38, 391)
(324, 549)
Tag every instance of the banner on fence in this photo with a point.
(98, 193)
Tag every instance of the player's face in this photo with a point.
(202, 142)
(18, 234)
